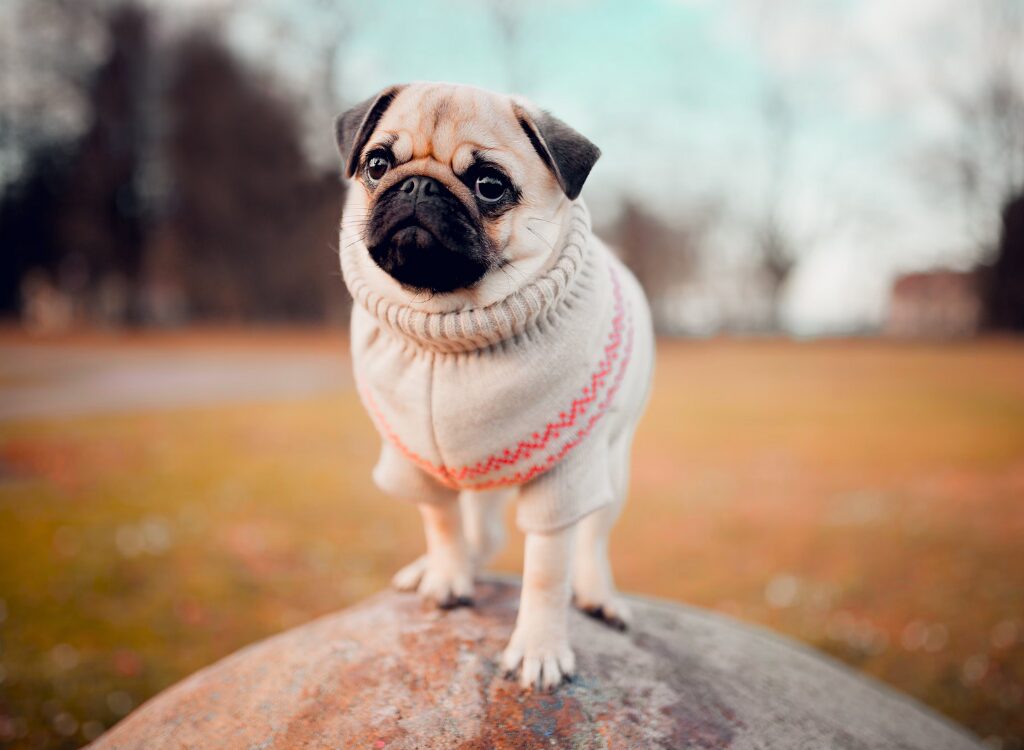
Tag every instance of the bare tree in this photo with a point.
(105, 217)
(1004, 291)
(982, 161)
(773, 236)
(73, 136)
(984, 157)
(336, 23)
(250, 224)
(48, 51)
(316, 34)
(662, 256)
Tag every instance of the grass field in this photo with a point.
(864, 497)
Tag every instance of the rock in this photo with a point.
(391, 673)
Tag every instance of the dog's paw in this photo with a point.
(448, 586)
(409, 577)
(613, 611)
(542, 663)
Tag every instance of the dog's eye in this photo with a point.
(490, 186)
(377, 166)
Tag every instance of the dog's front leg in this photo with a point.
(447, 578)
(540, 641)
(444, 575)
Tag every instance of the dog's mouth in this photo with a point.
(409, 230)
(414, 257)
(427, 245)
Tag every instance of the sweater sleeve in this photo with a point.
(576, 487)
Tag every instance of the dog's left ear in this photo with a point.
(565, 152)
(354, 127)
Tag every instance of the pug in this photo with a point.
(501, 350)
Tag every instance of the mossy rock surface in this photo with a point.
(391, 673)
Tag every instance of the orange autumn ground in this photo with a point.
(865, 497)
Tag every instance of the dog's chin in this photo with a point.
(420, 262)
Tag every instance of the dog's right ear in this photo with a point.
(354, 127)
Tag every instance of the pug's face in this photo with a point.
(457, 191)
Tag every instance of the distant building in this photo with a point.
(935, 304)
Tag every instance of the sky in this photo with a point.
(674, 92)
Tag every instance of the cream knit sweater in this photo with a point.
(534, 388)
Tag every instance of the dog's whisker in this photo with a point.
(541, 237)
(511, 281)
(511, 266)
(429, 296)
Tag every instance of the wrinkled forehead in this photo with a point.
(454, 125)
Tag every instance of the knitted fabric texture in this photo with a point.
(500, 395)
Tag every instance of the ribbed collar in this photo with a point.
(476, 328)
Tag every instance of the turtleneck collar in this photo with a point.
(477, 328)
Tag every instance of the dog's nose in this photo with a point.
(420, 186)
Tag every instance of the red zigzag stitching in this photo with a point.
(453, 476)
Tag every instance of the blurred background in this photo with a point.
(824, 200)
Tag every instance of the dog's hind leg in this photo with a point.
(593, 583)
(483, 523)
